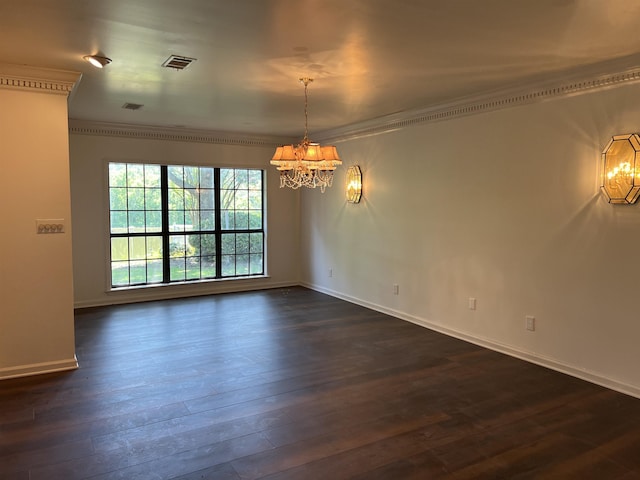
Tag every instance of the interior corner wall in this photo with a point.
(36, 286)
(503, 207)
(90, 155)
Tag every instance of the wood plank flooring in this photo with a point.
(294, 384)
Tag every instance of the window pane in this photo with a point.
(256, 243)
(177, 270)
(208, 266)
(242, 220)
(207, 220)
(192, 217)
(138, 272)
(242, 264)
(154, 220)
(154, 248)
(154, 271)
(118, 198)
(226, 179)
(206, 178)
(226, 199)
(208, 245)
(228, 265)
(119, 223)
(191, 177)
(135, 200)
(227, 220)
(207, 199)
(175, 176)
(193, 246)
(119, 274)
(256, 266)
(118, 174)
(242, 178)
(135, 175)
(228, 243)
(242, 199)
(242, 243)
(176, 201)
(152, 176)
(176, 221)
(153, 198)
(193, 268)
(137, 248)
(191, 199)
(177, 245)
(255, 180)
(255, 219)
(255, 200)
(136, 222)
(119, 249)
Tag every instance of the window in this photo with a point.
(176, 223)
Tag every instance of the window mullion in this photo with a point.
(164, 196)
(218, 222)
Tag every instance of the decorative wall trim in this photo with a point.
(620, 72)
(82, 127)
(24, 77)
(531, 357)
(38, 368)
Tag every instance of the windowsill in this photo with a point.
(209, 281)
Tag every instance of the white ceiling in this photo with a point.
(369, 58)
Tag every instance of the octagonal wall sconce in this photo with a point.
(621, 172)
(354, 184)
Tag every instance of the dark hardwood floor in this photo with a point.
(294, 384)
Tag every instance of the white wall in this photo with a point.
(89, 156)
(503, 207)
(36, 295)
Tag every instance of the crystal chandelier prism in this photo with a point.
(306, 164)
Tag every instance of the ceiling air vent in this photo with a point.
(178, 62)
(132, 106)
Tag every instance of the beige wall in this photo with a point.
(503, 207)
(89, 157)
(36, 304)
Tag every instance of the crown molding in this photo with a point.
(25, 77)
(596, 77)
(104, 129)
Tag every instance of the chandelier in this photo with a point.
(307, 164)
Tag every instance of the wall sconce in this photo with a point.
(354, 184)
(621, 175)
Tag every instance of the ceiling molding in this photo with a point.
(24, 77)
(572, 83)
(176, 134)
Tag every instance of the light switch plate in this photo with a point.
(50, 225)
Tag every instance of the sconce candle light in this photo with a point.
(621, 174)
(354, 184)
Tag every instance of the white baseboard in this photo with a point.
(167, 292)
(38, 368)
(512, 351)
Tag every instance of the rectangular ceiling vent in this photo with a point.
(178, 62)
(132, 106)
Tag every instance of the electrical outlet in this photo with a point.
(330, 272)
(396, 289)
(530, 323)
(472, 303)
